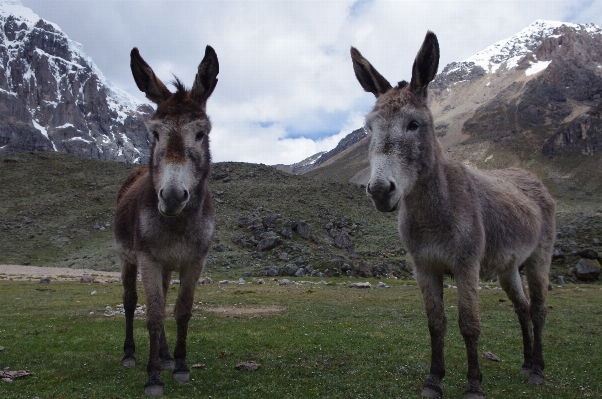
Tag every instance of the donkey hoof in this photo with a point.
(168, 364)
(474, 395)
(154, 390)
(526, 371)
(181, 376)
(535, 378)
(129, 361)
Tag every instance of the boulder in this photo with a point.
(268, 243)
(587, 270)
(303, 229)
(290, 269)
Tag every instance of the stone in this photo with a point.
(86, 278)
(268, 243)
(272, 271)
(283, 256)
(260, 281)
(588, 254)
(361, 285)
(286, 232)
(269, 221)
(365, 270)
(304, 230)
(560, 280)
(241, 281)
(342, 240)
(224, 282)
(290, 269)
(587, 270)
(284, 281)
(300, 272)
(45, 280)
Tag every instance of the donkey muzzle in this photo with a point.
(172, 200)
(383, 194)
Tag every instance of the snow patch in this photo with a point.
(65, 126)
(80, 139)
(537, 67)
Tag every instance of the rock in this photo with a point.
(286, 232)
(198, 366)
(596, 241)
(283, 256)
(342, 240)
(345, 268)
(303, 229)
(268, 243)
(205, 280)
(45, 280)
(290, 269)
(93, 293)
(269, 221)
(272, 271)
(86, 278)
(300, 272)
(560, 280)
(486, 287)
(587, 270)
(175, 282)
(381, 285)
(491, 356)
(284, 281)
(260, 281)
(588, 254)
(361, 285)
(241, 281)
(247, 366)
(365, 270)
(224, 282)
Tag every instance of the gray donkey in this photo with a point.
(456, 221)
(164, 218)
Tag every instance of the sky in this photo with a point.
(286, 86)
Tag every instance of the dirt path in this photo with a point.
(17, 272)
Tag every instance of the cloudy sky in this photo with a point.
(286, 85)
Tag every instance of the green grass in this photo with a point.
(330, 341)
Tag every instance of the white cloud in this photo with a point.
(285, 68)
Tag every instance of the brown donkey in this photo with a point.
(164, 218)
(456, 221)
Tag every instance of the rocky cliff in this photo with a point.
(54, 98)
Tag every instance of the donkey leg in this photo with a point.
(468, 309)
(511, 283)
(183, 313)
(129, 273)
(537, 268)
(155, 318)
(167, 362)
(431, 287)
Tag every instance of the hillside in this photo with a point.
(57, 210)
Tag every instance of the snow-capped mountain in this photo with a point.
(54, 98)
(533, 100)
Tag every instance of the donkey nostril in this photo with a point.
(185, 195)
(161, 194)
(392, 187)
(368, 189)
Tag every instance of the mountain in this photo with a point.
(323, 157)
(533, 100)
(54, 98)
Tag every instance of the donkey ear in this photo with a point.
(425, 64)
(146, 80)
(206, 78)
(372, 81)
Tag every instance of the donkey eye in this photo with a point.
(199, 136)
(413, 126)
(155, 135)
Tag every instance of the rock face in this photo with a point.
(54, 98)
(587, 270)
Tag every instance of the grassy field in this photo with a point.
(319, 340)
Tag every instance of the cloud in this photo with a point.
(286, 85)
